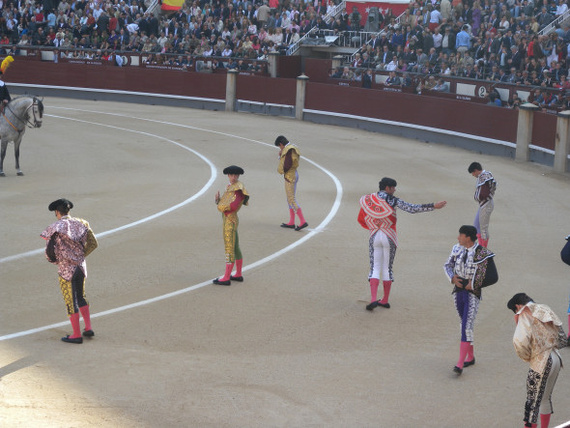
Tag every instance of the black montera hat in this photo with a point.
(233, 169)
(281, 140)
(61, 205)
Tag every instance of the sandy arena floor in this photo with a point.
(292, 346)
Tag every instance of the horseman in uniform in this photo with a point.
(4, 93)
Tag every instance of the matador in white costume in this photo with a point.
(537, 337)
(484, 194)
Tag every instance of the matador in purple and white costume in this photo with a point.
(465, 268)
(378, 215)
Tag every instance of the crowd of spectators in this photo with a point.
(227, 30)
(493, 40)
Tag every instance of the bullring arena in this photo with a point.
(291, 346)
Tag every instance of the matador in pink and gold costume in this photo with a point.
(229, 204)
(69, 241)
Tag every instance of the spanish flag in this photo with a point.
(172, 5)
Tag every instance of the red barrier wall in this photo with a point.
(460, 116)
(137, 79)
(318, 69)
(288, 66)
(266, 89)
(433, 111)
(544, 130)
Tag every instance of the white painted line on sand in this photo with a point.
(306, 236)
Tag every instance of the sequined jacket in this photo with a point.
(536, 335)
(69, 241)
(289, 162)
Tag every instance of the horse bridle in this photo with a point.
(27, 122)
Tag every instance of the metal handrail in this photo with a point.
(32, 49)
(350, 58)
(552, 26)
(154, 4)
(331, 16)
(295, 46)
(364, 36)
(327, 18)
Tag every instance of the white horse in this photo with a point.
(20, 112)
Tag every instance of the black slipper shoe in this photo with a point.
(68, 339)
(301, 226)
(218, 282)
(288, 226)
(88, 333)
(371, 306)
(237, 278)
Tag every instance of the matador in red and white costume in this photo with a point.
(378, 215)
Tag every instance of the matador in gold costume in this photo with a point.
(289, 156)
(229, 204)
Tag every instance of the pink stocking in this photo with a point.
(229, 267)
(463, 350)
(374, 289)
(239, 264)
(387, 286)
(86, 316)
(544, 420)
(470, 352)
(74, 319)
(291, 217)
(301, 217)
